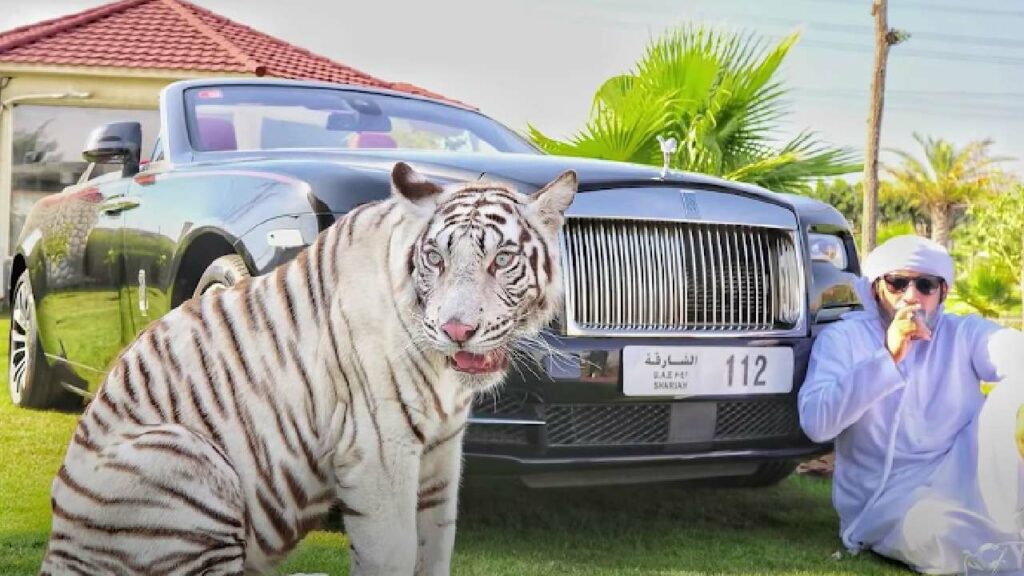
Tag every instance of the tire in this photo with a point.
(30, 378)
(221, 274)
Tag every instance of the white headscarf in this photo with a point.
(913, 253)
(900, 253)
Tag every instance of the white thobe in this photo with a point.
(927, 470)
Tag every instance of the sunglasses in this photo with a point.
(924, 284)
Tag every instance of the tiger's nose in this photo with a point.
(458, 331)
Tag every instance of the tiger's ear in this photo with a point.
(550, 202)
(413, 190)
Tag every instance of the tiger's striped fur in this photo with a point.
(229, 427)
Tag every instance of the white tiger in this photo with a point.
(228, 428)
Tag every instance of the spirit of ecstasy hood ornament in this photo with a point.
(668, 148)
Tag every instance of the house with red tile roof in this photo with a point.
(60, 78)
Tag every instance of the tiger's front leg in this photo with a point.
(378, 497)
(437, 505)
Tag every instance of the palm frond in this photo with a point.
(787, 170)
(718, 94)
(948, 175)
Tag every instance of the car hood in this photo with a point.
(535, 170)
(339, 180)
(525, 171)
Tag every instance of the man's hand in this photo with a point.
(906, 327)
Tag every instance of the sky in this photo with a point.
(959, 77)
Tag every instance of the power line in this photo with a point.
(920, 99)
(994, 42)
(933, 54)
(952, 8)
(949, 8)
(918, 93)
(1002, 113)
(926, 104)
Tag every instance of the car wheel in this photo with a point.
(31, 382)
(221, 274)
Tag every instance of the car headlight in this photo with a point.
(828, 248)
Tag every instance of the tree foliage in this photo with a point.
(991, 245)
(985, 290)
(717, 94)
(848, 198)
(948, 180)
(997, 228)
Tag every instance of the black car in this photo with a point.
(691, 302)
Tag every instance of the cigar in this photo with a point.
(920, 317)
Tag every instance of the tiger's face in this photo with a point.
(485, 270)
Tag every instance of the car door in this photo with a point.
(80, 309)
(151, 235)
(173, 207)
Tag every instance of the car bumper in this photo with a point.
(566, 421)
(551, 472)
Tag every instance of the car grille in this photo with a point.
(747, 420)
(509, 404)
(616, 424)
(502, 434)
(653, 276)
(646, 424)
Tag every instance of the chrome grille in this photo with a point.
(654, 276)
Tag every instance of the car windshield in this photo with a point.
(280, 117)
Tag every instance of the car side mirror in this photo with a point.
(115, 143)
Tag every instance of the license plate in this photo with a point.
(705, 371)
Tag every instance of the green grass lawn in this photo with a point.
(505, 529)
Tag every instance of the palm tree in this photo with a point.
(947, 181)
(992, 241)
(718, 95)
(31, 147)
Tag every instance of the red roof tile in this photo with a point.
(174, 35)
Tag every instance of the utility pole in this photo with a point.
(884, 38)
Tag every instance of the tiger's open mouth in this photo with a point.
(493, 361)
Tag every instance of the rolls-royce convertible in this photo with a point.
(690, 302)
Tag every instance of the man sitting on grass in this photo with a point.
(927, 469)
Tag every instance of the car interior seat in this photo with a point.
(216, 134)
(374, 140)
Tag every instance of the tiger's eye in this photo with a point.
(503, 259)
(434, 258)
